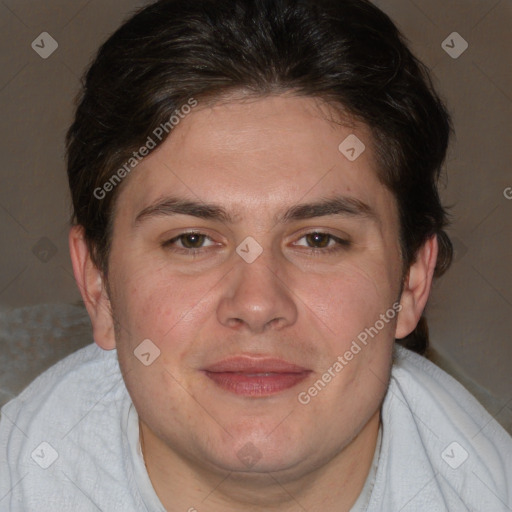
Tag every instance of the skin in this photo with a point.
(255, 158)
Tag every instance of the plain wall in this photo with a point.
(470, 311)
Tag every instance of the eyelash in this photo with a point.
(340, 245)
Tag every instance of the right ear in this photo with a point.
(92, 287)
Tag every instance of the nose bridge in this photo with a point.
(257, 296)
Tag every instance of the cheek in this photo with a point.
(154, 303)
(350, 300)
(355, 313)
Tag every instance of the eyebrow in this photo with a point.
(175, 206)
(339, 205)
(336, 206)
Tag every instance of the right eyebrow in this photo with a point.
(176, 206)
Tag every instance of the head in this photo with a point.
(228, 118)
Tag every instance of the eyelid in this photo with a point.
(332, 232)
(330, 235)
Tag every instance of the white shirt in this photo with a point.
(70, 442)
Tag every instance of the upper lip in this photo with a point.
(251, 364)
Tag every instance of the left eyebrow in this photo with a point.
(339, 205)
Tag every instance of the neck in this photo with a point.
(183, 484)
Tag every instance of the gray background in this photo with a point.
(470, 311)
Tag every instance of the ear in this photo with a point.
(416, 288)
(92, 287)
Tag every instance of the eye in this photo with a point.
(318, 240)
(322, 242)
(191, 241)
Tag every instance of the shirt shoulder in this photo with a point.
(67, 386)
(441, 449)
(62, 442)
(448, 399)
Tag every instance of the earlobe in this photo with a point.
(416, 289)
(92, 288)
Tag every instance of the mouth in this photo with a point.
(255, 377)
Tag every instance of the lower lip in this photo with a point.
(256, 385)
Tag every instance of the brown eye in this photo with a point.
(318, 243)
(192, 240)
(189, 242)
(318, 240)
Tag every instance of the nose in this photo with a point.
(256, 298)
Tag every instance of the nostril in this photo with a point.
(234, 322)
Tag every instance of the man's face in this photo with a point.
(221, 317)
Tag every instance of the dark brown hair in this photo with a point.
(345, 52)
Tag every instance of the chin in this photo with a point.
(260, 452)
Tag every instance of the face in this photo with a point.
(252, 253)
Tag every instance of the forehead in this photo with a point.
(264, 153)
